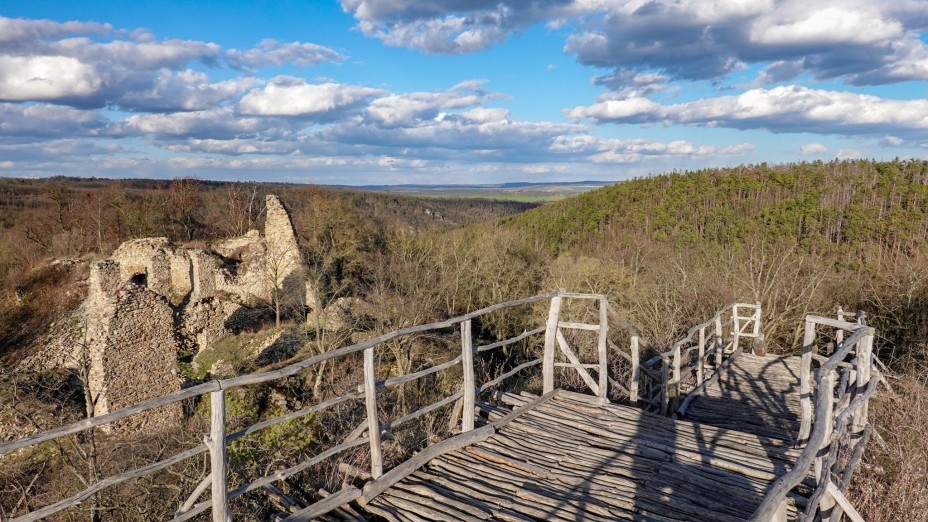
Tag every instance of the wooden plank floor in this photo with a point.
(568, 459)
(757, 395)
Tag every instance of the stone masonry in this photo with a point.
(133, 357)
(151, 298)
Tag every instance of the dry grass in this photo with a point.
(892, 483)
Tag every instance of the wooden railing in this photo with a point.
(834, 436)
(670, 379)
(837, 433)
(369, 433)
(556, 344)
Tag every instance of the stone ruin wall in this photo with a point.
(283, 253)
(196, 277)
(151, 296)
(135, 358)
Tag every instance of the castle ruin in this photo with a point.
(152, 298)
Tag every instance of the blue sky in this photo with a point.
(452, 91)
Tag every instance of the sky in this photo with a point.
(455, 91)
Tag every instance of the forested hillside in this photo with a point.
(852, 208)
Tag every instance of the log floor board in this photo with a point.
(758, 395)
(568, 459)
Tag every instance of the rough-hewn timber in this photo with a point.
(569, 459)
(738, 437)
(758, 395)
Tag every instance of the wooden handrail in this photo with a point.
(823, 432)
(671, 365)
(368, 391)
(253, 378)
(216, 443)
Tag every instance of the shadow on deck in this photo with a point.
(570, 458)
(563, 455)
(758, 395)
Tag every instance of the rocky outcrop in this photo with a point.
(338, 315)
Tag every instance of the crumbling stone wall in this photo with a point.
(285, 267)
(103, 280)
(261, 263)
(181, 276)
(133, 356)
(204, 272)
(152, 297)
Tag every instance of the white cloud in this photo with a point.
(448, 26)
(62, 151)
(128, 55)
(42, 78)
(235, 146)
(862, 41)
(813, 149)
(454, 132)
(485, 115)
(393, 163)
(270, 52)
(602, 150)
(617, 110)
(213, 123)
(186, 90)
(93, 65)
(628, 83)
(891, 141)
(828, 25)
(407, 109)
(849, 154)
(14, 30)
(790, 108)
(31, 121)
(287, 96)
(857, 40)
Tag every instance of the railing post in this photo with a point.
(547, 366)
(700, 366)
(736, 327)
(826, 387)
(603, 353)
(757, 317)
(636, 370)
(839, 333)
(469, 390)
(676, 378)
(665, 385)
(719, 343)
(373, 422)
(864, 367)
(216, 442)
(805, 384)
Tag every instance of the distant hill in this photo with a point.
(517, 191)
(858, 207)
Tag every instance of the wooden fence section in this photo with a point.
(834, 436)
(217, 441)
(694, 361)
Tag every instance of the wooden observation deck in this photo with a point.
(703, 431)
